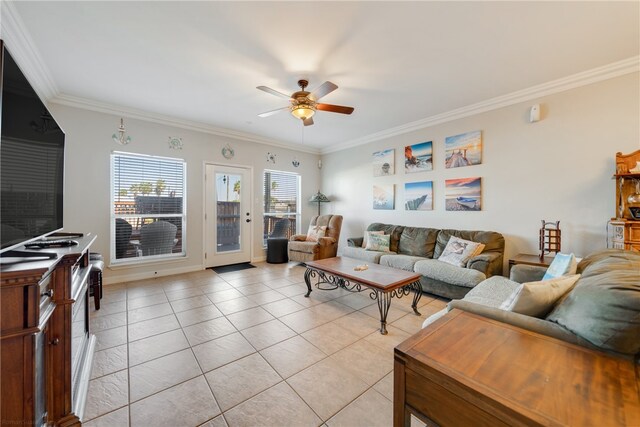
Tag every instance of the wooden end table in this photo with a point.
(529, 259)
(383, 282)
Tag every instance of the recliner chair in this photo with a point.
(326, 247)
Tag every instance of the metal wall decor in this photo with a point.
(295, 162)
(175, 143)
(119, 137)
(228, 152)
(271, 158)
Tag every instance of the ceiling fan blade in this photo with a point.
(308, 122)
(273, 92)
(335, 108)
(322, 90)
(272, 112)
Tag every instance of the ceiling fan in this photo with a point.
(304, 104)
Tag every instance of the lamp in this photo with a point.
(319, 198)
(303, 111)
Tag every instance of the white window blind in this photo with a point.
(148, 207)
(281, 192)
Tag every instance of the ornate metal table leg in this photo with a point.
(307, 280)
(384, 302)
(416, 297)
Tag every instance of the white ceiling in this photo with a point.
(395, 62)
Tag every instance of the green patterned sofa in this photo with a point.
(418, 248)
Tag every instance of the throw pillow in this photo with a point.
(459, 251)
(365, 240)
(379, 243)
(316, 232)
(562, 264)
(538, 298)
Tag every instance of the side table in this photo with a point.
(529, 259)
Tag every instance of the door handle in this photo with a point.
(247, 220)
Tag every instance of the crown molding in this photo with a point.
(25, 53)
(102, 107)
(615, 69)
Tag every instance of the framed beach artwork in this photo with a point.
(418, 157)
(463, 150)
(463, 194)
(418, 196)
(383, 197)
(383, 163)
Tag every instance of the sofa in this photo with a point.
(601, 311)
(418, 248)
(301, 250)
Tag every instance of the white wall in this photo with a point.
(87, 180)
(557, 169)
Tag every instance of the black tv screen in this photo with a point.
(31, 161)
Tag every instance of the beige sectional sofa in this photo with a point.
(418, 248)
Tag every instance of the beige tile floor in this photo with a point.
(244, 349)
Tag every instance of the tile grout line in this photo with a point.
(260, 305)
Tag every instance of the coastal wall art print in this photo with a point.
(463, 194)
(383, 197)
(418, 157)
(463, 150)
(383, 163)
(418, 196)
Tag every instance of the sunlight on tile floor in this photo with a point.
(244, 349)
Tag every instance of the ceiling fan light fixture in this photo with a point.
(303, 111)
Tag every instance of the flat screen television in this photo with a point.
(31, 161)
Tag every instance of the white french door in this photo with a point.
(228, 215)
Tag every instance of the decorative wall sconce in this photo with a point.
(120, 138)
(271, 158)
(175, 143)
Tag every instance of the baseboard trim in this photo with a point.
(122, 278)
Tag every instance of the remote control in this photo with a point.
(62, 243)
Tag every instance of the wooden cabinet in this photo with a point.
(465, 369)
(628, 186)
(46, 349)
(624, 231)
(624, 234)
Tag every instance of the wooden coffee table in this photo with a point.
(383, 282)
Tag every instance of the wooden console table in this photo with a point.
(465, 369)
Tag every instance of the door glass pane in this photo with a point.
(228, 212)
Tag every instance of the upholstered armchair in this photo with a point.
(301, 250)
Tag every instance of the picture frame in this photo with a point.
(463, 150)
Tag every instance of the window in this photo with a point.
(281, 204)
(148, 216)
